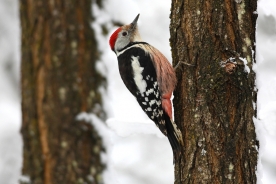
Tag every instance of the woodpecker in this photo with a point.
(149, 76)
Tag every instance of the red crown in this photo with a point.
(113, 38)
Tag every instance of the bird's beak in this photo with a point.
(134, 22)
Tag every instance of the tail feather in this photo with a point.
(174, 135)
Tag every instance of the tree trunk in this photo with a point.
(59, 80)
(214, 44)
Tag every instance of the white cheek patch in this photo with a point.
(137, 72)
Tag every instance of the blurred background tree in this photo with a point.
(59, 80)
(214, 41)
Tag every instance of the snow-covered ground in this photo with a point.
(136, 150)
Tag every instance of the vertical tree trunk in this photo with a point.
(59, 80)
(214, 41)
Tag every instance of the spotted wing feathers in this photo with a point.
(138, 72)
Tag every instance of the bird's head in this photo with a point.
(124, 35)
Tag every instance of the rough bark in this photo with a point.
(215, 96)
(59, 80)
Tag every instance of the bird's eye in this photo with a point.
(124, 33)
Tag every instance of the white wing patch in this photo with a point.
(152, 102)
(149, 91)
(137, 72)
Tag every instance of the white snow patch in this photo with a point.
(106, 134)
(266, 84)
(131, 146)
(126, 128)
(25, 179)
(246, 68)
(203, 152)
